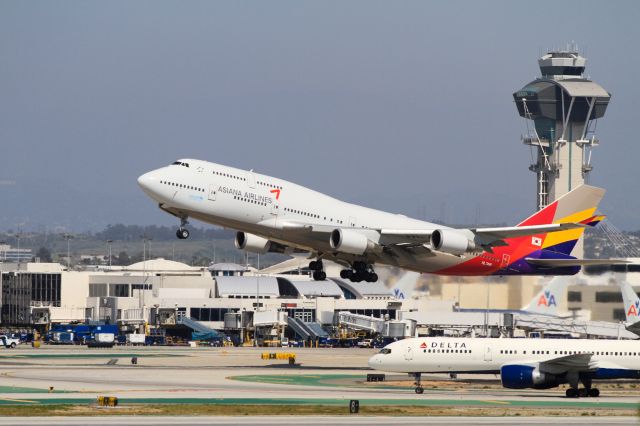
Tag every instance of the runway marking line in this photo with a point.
(498, 402)
(19, 400)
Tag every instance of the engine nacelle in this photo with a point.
(526, 376)
(452, 242)
(252, 243)
(350, 241)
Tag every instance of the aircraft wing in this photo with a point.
(486, 237)
(559, 365)
(560, 263)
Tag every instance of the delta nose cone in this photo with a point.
(374, 362)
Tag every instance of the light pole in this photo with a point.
(109, 245)
(68, 237)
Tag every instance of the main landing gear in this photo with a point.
(361, 271)
(182, 233)
(583, 392)
(317, 267)
(586, 391)
(418, 383)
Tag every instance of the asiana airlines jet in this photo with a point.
(274, 215)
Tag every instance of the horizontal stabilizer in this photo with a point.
(561, 263)
(523, 231)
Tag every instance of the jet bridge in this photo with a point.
(543, 323)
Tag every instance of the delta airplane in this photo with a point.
(521, 363)
(273, 215)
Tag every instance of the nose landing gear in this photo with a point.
(182, 233)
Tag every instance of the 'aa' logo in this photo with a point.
(423, 345)
(634, 309)
(547, 299)
(398, 293)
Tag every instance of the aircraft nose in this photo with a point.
(374, 361)
(146, 180)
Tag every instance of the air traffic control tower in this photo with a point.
(561, 109)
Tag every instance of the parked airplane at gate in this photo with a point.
(273, 215)
(521, 363)
(545, 302)
(631, 307)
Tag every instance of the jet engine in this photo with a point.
(452, 242)
(252, 243)
(526, 376)
(349, 241)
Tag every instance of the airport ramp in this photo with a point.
(306, 330)
(198, 327)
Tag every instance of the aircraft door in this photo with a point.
(408, 355)
(487, 353)
(212, 192)
(251, 179)
(505, 261)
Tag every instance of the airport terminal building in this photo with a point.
(163, 294)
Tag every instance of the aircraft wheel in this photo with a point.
(419, 390)
(182, 233)
(571, 393)
(583, 392)
(374, 277)
(345, 274)
(355, 277)
(594, 392)
(319, 275)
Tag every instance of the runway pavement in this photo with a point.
(240, 376)
(314, 420)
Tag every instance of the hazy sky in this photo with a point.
(401, 105)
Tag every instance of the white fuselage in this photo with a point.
(488, 355)
(275, 209)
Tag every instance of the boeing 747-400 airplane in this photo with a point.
(273, 215)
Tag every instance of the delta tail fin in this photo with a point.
(576, 206)
(547, 300)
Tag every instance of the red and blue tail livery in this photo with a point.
(545, 253)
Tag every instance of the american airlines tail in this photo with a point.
(547, 300)
(406, 284)
(631, 307)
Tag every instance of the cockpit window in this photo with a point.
(180, 163)
(385, 351)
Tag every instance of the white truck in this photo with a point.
(365, 343)
(136, 339)
(9, 341)
(102, 340)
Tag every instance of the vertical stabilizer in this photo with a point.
(547, 300)
(631, 302)
(404, 287)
